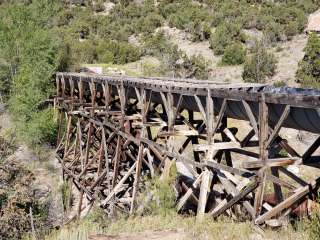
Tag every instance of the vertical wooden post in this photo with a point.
(90, 130)
(121, 94)
(80, 203)
(169, 107)
(194, 139)
(277, 187)
(263, 138)
(107, 98)
(210, 118)
(137, 178)
(227, 153)
(143, 104)
(204, 189)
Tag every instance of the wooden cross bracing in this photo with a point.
(118, 134)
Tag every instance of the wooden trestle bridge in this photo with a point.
(116, 131)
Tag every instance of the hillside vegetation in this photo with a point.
(40, 37)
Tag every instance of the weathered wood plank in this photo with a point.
(204, 189)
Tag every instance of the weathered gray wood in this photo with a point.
(277, 128)
(277, 187)
(118, 110)
(187, 195)
(119, 185)
(204, 189)
(235, 199)
(311, 149)
(299, 193)
(251, 117)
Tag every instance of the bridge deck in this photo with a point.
(304, 103)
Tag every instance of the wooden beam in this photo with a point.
(251, 117)
(277, 128)
(204, 189)
(187, 195)
(216, 146)
(294, 198)
(119, 185)
(275, 162)
(311, 150)
(235, 199)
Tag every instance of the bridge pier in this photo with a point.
(120, 130)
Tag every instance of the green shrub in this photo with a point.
(308, 73)
(99, 6)
(35, 56)
(234, 54)
(150, 23)
(85, 51)
(156, 44)
(192, 67)
(260, 65)
(273, 32)
(280, 84)
(192, 18)
(223, 36)
(291, 29)
(66, 195)
(158, 196)
(200, 31)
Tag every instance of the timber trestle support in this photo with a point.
(114, 132)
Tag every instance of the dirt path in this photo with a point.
(230, 74)
(147, 235)
(288, 60)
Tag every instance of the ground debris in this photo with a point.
(17, 195)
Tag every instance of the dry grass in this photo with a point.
(188, 226)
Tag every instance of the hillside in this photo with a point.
(220, 40)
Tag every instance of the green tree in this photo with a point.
(224, 35)
(308, 73)
(260, 65)
(27, 39)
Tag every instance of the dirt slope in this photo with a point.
(289, 58)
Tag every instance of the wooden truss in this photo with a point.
(113, 134)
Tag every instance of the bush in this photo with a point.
(308, 73)
(234, 54)
(291, 29)
(157, 44)
(192, 67)
(273, 32)
(85, 51)
(223, 36)
(105, 51)
(99, 6)
(150, 23)
(191, 18)
(260, 65)
(173, 60)
(18, 194)
(280, 84)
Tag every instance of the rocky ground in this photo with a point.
(43, 165)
